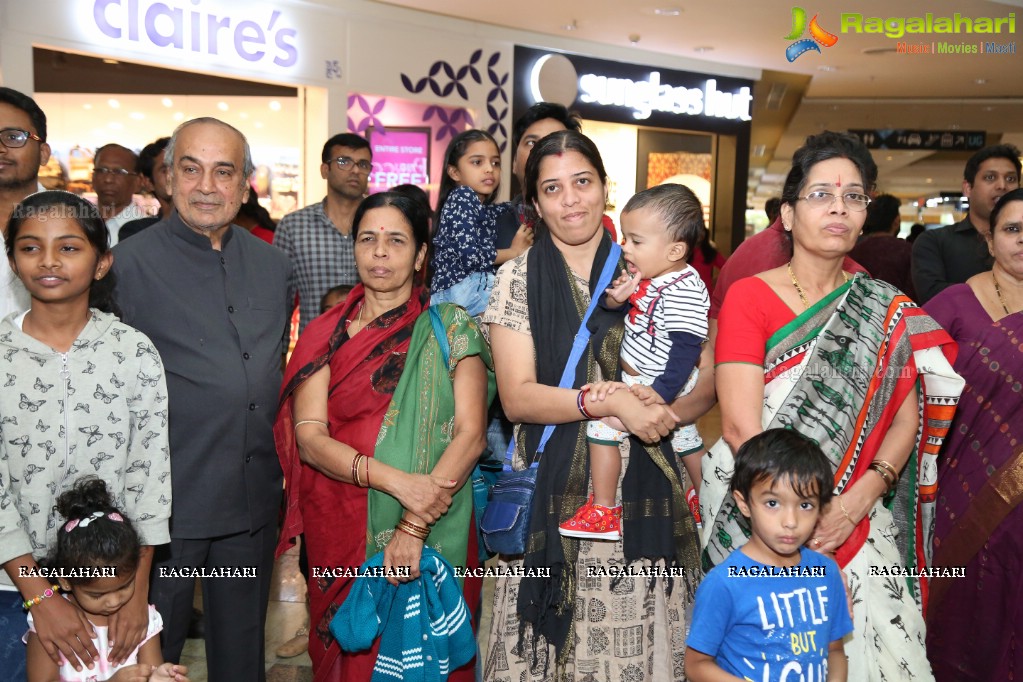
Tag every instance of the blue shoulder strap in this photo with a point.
(442, 336)
(582, 337)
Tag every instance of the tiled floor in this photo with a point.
(287, 610)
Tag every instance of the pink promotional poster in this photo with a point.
(400, 156)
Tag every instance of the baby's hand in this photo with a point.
(140, 672)
(169, 672)
(623, 286)
(647, 395)
(602, 389)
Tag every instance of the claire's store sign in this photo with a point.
(247, 35)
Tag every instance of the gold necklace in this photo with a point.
(802, 294)
(998, 290)
(357, 320)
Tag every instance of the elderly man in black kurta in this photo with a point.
(214, 300)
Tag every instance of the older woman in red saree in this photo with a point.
(854, 364)
(975, 620)
(376, 435)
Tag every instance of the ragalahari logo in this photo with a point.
(817, 36)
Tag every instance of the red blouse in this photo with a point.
(750, 315)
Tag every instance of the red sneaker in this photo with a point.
(594, 522)
(694, 505)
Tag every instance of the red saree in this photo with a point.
(364, 371)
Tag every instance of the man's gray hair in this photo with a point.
(247, 167)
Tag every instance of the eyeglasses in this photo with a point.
(15, 138)
(853, 200)
(346, 163)
(115, 172)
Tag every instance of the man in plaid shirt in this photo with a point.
(318, 238)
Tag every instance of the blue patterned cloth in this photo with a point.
(466, 238)
(424, 626)
(12, 627)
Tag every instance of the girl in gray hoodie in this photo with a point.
(82, 393)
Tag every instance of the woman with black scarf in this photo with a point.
(583, 620)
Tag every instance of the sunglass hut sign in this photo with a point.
(257, 38)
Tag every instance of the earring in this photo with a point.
(417, 268)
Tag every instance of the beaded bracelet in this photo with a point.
(580, 402)
(45, 595)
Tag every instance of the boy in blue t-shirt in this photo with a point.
(774, 610)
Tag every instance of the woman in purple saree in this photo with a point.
(975, 622)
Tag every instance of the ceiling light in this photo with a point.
(243, 115)
(113, 103)
(222, 106)
(980, 81)
(115, 125)
(167, 102)
(888, 158)
(137, 116)
(179, 116)
(667, 11)
(87, 106)
(258, 124)
(929, 180)
(274, 105)
(111, 61)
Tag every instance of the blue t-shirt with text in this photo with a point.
(769, 623)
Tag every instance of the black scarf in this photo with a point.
(656, 519)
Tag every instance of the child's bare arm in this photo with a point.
(838, 663)
(703, 668)
(39, 666)
(151, 655)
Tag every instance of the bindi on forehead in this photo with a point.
(839, 183)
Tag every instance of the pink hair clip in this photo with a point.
(86, 520)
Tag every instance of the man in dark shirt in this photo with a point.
(954, 253)
(540, 120)
(215, 301)
(152, 170)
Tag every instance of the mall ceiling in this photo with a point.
(861, 81)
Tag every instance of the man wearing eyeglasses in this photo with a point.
(115, 181)
(318, 238)
(23, 150)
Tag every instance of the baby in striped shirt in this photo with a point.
(665, 327)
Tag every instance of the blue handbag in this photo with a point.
(505, 523)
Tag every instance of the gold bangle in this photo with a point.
(845, 513)
(402, 530)
(355, 469)
(888, 467)
(412, 529)
(310, 421)
(884, 474)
